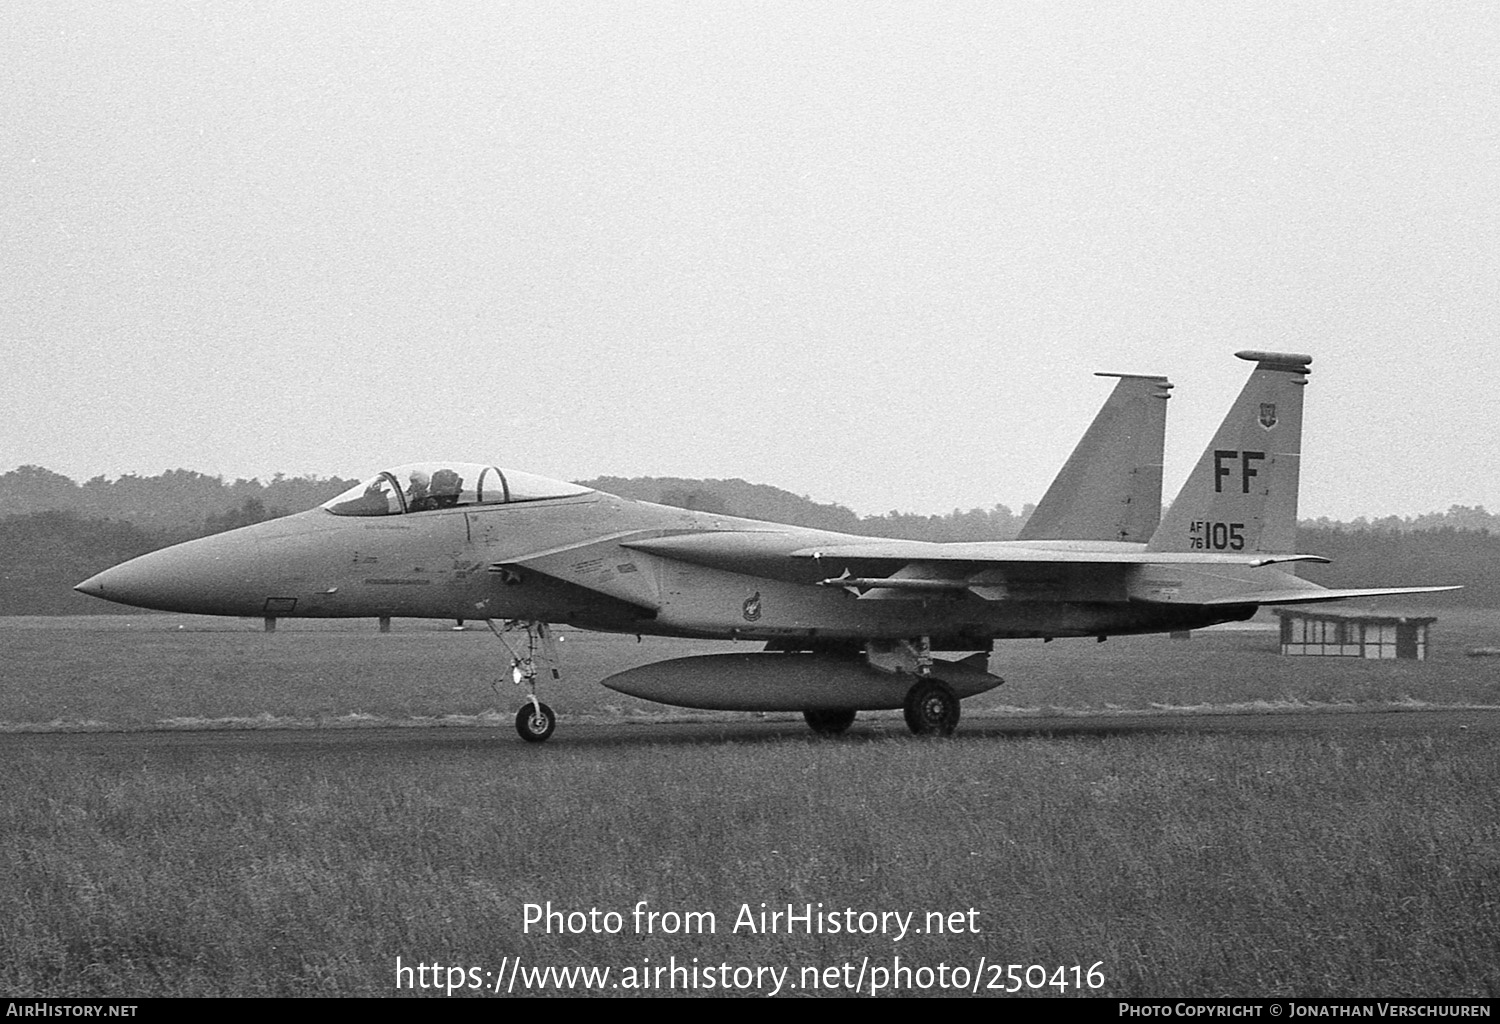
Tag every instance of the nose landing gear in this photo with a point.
(535, 721)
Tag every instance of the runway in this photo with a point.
(784, 728)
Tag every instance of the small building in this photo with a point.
(1353, 636)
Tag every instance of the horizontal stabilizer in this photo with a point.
(1306, 596)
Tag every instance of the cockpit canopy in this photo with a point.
(424, 486)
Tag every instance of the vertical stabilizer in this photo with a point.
(1110, 487)
(1242, 494)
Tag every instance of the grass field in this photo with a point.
(1335, 861)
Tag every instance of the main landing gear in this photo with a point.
(535, 721)
(931, 708)
(830, 723)
(930, 705)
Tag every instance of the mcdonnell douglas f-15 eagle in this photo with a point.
(849, 623)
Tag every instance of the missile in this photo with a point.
(894, 583)
(800, 681)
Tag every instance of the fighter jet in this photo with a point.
(848, 623)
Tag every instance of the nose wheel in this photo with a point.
(535, 721)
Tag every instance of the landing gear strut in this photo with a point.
(535, 721)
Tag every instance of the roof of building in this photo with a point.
(1382, 620)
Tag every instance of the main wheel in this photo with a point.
(535, 722)
(931, 708)
(830, 723)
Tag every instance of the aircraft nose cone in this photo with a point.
(155, 580)
(225, 574)
(92, 586)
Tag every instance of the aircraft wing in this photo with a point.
(776, 554)
(927, 559)
(988, 568)
(1001, 553)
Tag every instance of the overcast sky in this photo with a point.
(868, 252)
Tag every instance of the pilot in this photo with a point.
(445, 487)
(417, 497)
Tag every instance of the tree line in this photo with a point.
(172, 502)
(54, 532)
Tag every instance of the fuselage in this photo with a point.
(583, 559)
